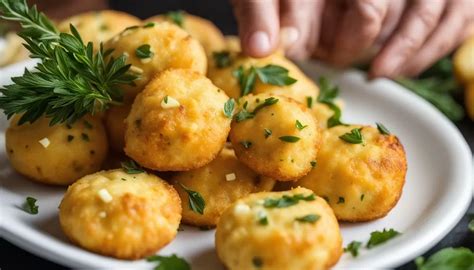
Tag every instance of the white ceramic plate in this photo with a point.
(437, 192)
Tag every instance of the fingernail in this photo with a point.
(259, 42)
(288, 36)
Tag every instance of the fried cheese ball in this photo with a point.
(177, 123)
(59, 154)
(126, 216)
(99, 26)
(155, 47)
(279, 230)
(115, 126)
(206, 32)
(362, 181)
(220, 183)
(224, 78)
(280, 140)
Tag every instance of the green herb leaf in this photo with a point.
(379, 237)
(177, 17)
(382, 129)
(244, 114)
(149, 24)
(144, 51)
(196, 201)
(287, 201)
(246, 79)
(131, 167)
(274, 75)
(262, 218)
(312, 218)
(300, 126)
(309, 102)
(222, 59)
(30, 206)
(353, 248)
(362, 197)
(267, 132)
(328, 93)
(246, 144)
(267, 102)
(229, 108)
(172, 262)
(290, 139)
(354, 137)
(447, 259)
(335, 119)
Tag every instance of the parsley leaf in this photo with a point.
(222, 59)
(262, 218)
(30, 206)
(267, 102)
(341, 200)
(312, 218)
(196, 201)
(269, 74)
(449, 259)
(244, 114)
(335, 119)
(131, 167)
(382, 129)
(353, 248)
(229, 108)
(177, 17)
(379, 237)
(286, 201)
(290, 139)
(144, 51)
(300, 126)
(309, 102)
(354, 137)
(172, 262)
(149, 24)
(327, 95)
(246, 79)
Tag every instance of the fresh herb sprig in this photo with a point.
(131, 167)
(379, 237)
(172, 262)
(269, 74)
(177, 17)
(287, 201)
(244, 114)
(353, 248)
(196, 201)
(447, 258)
(70, 82)
(327, 95)
(30, 206)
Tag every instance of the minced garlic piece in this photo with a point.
(230, 177)
(44, 142)
(104, 195)
(241, 209)
(102, 214)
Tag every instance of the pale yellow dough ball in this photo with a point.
(280, 141)
(225, 78)
(265, 231)
(177, 123)
(220, 183)
(360, 181)
(99, 26)
(115, 126)
(154, 47)
(126, 216)
(58, 154)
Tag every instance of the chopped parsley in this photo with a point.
(144, 51)
(335, 119)
(229, 108)
(267, 132)
(290, 139)
(312, 218)
(379, 237)
(257, 262)
(286, 201)
(246, 144)
(327, 95)
(177, 17)
(85, 137)
(262, 218)
(196, 201)
(222, 59)
(353, 248)
(131, 167)
(172, 262)
(313, 163)
(341, 200)
(244, 114)
(70, 138)
(354, 137)
(382, 129)
(447, 258)
(362, 197)
(30, 206)
(148, 25)
(300, 126)
(269, 74)
(309, 102)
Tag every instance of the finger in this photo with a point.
(332, 12)
(394, 14)
(361, 25)
(298, 32)
(258, 26)
(417, 24)
(447, 36)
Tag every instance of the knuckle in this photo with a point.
(372, 11)
(428, 15)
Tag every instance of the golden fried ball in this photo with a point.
(58, 154)
(220, 183)
(115, 126)
(253, 235)
(281, 141)
(155, 47)
(360, 181)
(127, 216)
(177, 123)
(224, 78)
(206, 32)
(99, 26)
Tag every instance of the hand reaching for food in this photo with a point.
(409, 35)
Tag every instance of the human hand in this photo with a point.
(411, 35)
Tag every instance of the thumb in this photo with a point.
(258, 26)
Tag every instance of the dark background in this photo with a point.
(220, 12)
